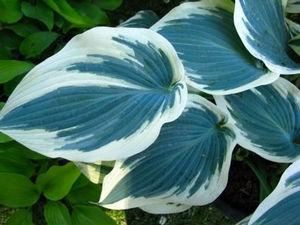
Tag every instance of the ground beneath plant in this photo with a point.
(207, 215)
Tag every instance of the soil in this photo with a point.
(242, 194)
(242, 191)
(206, 215)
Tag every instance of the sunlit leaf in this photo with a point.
(57, 182)
(9, 69)
(17, 190)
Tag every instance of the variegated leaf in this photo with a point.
(142, 19)
(294, 43)
(187, 164)
(215, 59)
(282, 205)
(261, 26)
(245, 221)
(95, 172)
(104, 96)
(267, 119)
(293, 28)
(293, 6)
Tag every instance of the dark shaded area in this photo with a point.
(242, 194)
(242, 191)
(130, 7)
(205, 215)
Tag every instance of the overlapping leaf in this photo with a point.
(267, 119)
(293, 6)
(92, 102)
(261, 26)
(187, 164)
(282, 205)
(142, 19)
(206, 41)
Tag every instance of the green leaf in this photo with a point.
(9, 69)
(11, 85)
(36, 43)
(20, 217)
(10, 11)
(9, 40)
(3, 138)
(108, 4)
(23, 29)
(5, 53)
(17, 190)
(92, 13)
(83, 191)
(63, 8)
(57, 213)
(13, 161)
(57, 182)
(90, 215)
(39, 12)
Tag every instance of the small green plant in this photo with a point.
(32, 30)
(47, 191)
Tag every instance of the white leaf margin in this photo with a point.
(94, 40)
(281, 192)
(241, 136)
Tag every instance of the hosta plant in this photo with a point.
(134, 95)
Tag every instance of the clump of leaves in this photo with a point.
(33, 30)
(132, 95)
(48, 191)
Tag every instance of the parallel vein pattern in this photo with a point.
(206, 41)
(267, 119)
(187, 164)
(261, 26)
(90, 102)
